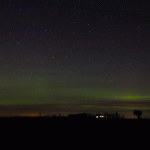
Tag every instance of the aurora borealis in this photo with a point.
(73, 57)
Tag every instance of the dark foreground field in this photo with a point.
(72, 126)
(73, 119)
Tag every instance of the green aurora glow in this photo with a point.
(26, 91)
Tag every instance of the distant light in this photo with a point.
(102, 116)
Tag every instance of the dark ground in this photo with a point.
(91, 128)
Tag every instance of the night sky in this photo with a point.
(74, 56)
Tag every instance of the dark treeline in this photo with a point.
(104, 116)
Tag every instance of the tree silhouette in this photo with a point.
(138, 113)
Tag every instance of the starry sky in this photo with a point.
(63, 57)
